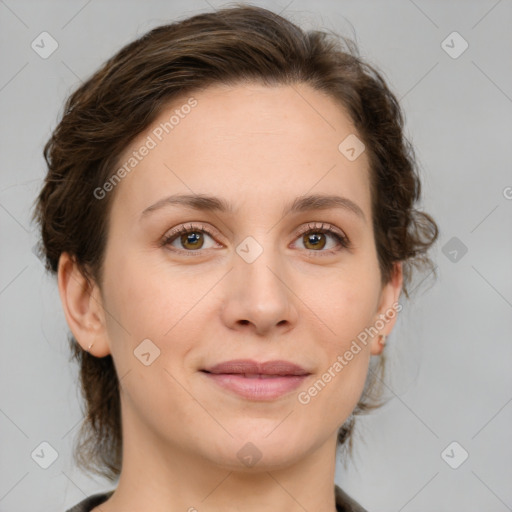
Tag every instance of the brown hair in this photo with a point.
(230, 46)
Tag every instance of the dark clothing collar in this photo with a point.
(344, 503)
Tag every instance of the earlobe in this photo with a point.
(388, 310)
(82, 307)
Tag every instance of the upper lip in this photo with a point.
(250, 367)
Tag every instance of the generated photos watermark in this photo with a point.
(151, 142)
(304, 397)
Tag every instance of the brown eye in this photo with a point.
(188, 239)
(194, 238)
(314, 240)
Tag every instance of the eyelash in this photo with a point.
(342, 240)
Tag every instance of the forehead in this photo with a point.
(247, 142)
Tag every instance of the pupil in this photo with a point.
(191, 238)
(315, 240)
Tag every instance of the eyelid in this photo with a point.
(321, 227)
(190, 226)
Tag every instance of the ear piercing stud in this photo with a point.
(382, 339)
(89, 349)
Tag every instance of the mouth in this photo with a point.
(257, 381)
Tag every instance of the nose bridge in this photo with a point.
(258, 265)
(259, 293)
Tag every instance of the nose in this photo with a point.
(259, 295)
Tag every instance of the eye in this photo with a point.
(313, 237)
(188, 239)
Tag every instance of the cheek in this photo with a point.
(138, 294)
(155, 303)
(151, 334)
(351, 314)
(347, 301)
(330, 398)
(347, 306)
(337, 388)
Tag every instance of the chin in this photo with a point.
(247, 452)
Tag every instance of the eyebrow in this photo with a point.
(203, 202)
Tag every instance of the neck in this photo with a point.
(167, 477)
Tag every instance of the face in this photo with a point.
(188, 284)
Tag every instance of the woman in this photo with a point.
(230, 210)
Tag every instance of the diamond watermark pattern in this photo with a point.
(454, 45)
(44, 45)
(147, 352)
(249, 249)
(351, 147)
(44, 455)
(454, 249)
(454, 455)
(249, 454)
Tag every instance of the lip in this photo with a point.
(248, 366)
(257, 381)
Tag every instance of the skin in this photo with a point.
(259, 148)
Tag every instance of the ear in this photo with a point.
(388, 309)
(83, 308)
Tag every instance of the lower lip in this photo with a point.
(257, 388)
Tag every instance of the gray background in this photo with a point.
(450, 351)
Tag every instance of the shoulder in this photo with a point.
(344, 503)
(92, 501)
